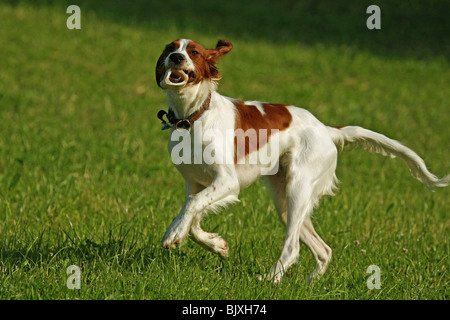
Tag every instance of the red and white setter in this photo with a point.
(221, 145)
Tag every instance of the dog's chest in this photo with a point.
(195, 151)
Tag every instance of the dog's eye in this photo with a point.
(194, 52)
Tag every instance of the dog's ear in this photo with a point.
(222, 48)
(160, 70)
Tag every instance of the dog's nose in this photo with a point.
(176, 57)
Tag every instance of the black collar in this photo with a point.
(185, 123)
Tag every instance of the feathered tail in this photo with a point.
(378, 143)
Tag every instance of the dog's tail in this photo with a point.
(378, 143)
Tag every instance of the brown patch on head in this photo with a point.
(160, 69)
(248, 117)
(205, 59)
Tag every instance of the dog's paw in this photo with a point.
(270, 277)
(170, 244)
(217, 244)
(211, 242)
(171, 240)
(275, 274)
(176, 233)
(223, 250)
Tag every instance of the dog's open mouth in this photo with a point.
(179, 76)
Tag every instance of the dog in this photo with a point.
(305, 154)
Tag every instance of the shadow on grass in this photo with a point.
(411, 28)
(121, 249)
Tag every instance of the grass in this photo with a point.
(85, 178)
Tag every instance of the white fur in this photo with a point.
(307, 163)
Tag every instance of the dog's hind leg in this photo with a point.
(300, 203)
(308, 177)
(277, 187)
(320, 250)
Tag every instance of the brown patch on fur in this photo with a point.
(205, 59)
(276, 116)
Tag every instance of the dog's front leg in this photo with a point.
(223, 190)
(177, 230)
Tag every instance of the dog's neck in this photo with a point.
(188, 100)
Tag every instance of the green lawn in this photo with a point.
(86, 179)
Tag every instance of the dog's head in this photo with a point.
(185, 63)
